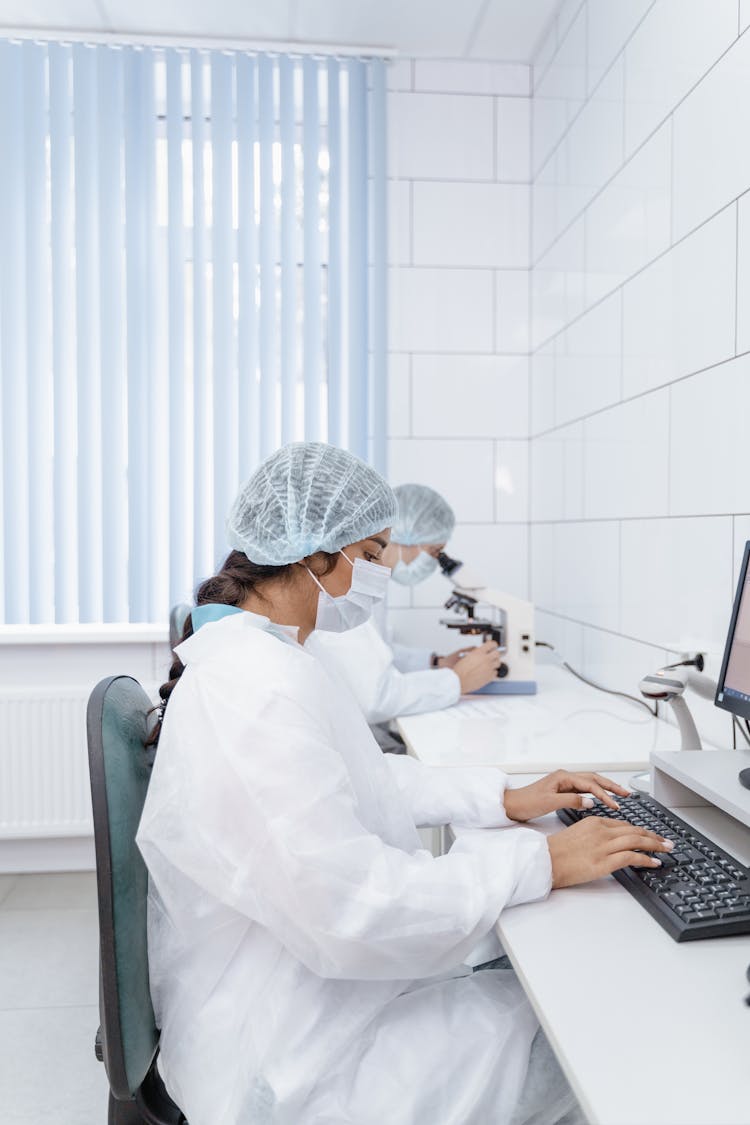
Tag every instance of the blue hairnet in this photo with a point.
(308, 497)
(423, 516)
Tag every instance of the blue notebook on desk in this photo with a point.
(508, 687)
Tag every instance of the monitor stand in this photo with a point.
(704, 786)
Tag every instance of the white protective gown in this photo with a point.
(364, 661)
(305, 951)
(385, 678)
(406, 658)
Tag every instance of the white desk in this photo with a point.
(649, 1031)
(565, 724)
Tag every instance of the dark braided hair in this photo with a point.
(235, 581)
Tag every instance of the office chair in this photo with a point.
(177, 616)
(117, 724)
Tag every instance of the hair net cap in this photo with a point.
(423, 516)
(308, 497)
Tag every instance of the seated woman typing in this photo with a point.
(305, 952)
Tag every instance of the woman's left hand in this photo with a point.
(561, 790)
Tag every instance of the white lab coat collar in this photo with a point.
(197, 645)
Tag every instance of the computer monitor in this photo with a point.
(733, 687)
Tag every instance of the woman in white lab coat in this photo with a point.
(389, 679)
(305, 953)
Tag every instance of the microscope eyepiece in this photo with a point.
(447, 564)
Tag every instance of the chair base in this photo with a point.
(152, 1105)
(155, 1104)
(123, 1113)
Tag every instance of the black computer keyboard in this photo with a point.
(699, 891)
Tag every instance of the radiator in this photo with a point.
(44, 781)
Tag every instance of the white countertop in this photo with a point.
(565, 724)
(648, 1030)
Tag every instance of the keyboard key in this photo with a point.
(672, 899)
(733, 911)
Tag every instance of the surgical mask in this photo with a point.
(369, 586)
(409, 574)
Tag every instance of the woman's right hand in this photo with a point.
(596, 846)
(478, 667)
(452, 659)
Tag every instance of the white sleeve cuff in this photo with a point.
(449, 685)
(477, 796)
(524, 848)
(535, 879)
(467, 796)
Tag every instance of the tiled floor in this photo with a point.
(48, 1001)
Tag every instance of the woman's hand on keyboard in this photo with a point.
(597, 846)
(560, 790)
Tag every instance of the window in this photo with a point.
(192, 272)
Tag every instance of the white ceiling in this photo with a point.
(506, 30)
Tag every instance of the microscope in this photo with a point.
(493, 616)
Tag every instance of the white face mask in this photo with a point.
(409, 574)
(369, 586)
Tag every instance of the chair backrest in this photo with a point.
(177, 616)
(118, 722)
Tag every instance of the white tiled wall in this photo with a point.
(673, 49)
(640, 331)
(459, 246)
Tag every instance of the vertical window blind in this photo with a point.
(192, 272)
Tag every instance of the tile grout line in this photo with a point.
(590, 93)
(642, 394)
(494, 312)
(444, 268)
(495, 517)
(640, 518)
(671, 181)
(495, 162)
(737, 277)
(634, 153)
(603, 629)
(93, 1007)
(669, 448)
(642, 269)
(622, 345)
(587, 57)
(410, 374)
(529, 366)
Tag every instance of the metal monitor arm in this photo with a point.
(669, 684)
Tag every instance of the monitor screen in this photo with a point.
(733, 689)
